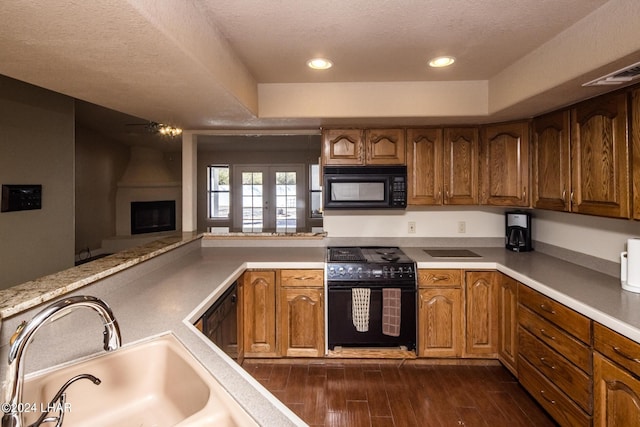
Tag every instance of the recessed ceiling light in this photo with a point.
(319, 63)
(442, 61)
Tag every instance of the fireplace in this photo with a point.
(151, 217)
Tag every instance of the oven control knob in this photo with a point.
(341, 271)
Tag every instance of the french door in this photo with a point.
(270, 198)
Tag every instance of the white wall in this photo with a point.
(430, 222)
(36, 147)
(600, 237)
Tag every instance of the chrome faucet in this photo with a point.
(20, 341)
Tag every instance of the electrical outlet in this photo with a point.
(462, 227)
(412, 227)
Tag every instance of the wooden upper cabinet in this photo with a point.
(385, 147)
(343, 147)
(504, 170)
(460, 165)
(424, 166)
(600, 154)
(551, 161)
(363, 147)
(635, 150)
(442, 165)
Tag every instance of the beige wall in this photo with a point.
(36, 147)
(100, 164)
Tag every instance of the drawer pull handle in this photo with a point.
(625, 355)
(544, 396)
(439, 278)
(546, 334)
(546, 363)
(304, 278)
(548, 309)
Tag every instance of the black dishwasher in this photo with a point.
(220, 322)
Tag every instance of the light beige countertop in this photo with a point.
(167, 291)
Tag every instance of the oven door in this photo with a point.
(341, 330)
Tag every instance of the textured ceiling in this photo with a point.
(230, 64)
(383, 40)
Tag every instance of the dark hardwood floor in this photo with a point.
(394, 394)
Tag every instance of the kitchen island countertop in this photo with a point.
(168, 292)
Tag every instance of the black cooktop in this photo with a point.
(368, 254)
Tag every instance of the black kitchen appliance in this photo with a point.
(375, 269)
(518, 231)
(365, 187)
(220, 322)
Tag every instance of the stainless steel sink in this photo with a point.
(452, 253)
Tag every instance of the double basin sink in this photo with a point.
(154, 383)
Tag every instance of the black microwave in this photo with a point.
(365, 187)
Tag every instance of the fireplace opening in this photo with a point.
(151, 217)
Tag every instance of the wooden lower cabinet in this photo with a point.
(259, 314)
(301, 321)
(282, 313)
(616, 379)
(508, 323)
(555, 357)
(481, 314)
(440, 313)
(563, 410)
(616, 395)
(440, 332)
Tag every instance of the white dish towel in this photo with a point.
(360, 308)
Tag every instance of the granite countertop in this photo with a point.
(176, 284)
(30, 294)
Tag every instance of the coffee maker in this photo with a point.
(518, 231)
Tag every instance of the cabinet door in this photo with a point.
(600, 155)
(552, 161)
(460, 164)
(440, 322)
(424, 166)
(504, 170)
(302, 322)
(260, 314)
(481, 314)
(616, 395)
(342, 147)
(385, 147)
(635, 150)
(508, 322)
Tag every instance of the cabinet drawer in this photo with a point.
(558, 405)
(566, 376)
(617, 347)
(304, 278)
(574, 323)
(439, 278)
(574, 350)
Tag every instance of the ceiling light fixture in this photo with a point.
(442, 61)
(163, 129)
(319, 63)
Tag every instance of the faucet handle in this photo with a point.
(17, 332)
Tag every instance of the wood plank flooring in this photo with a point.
(396, 394)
